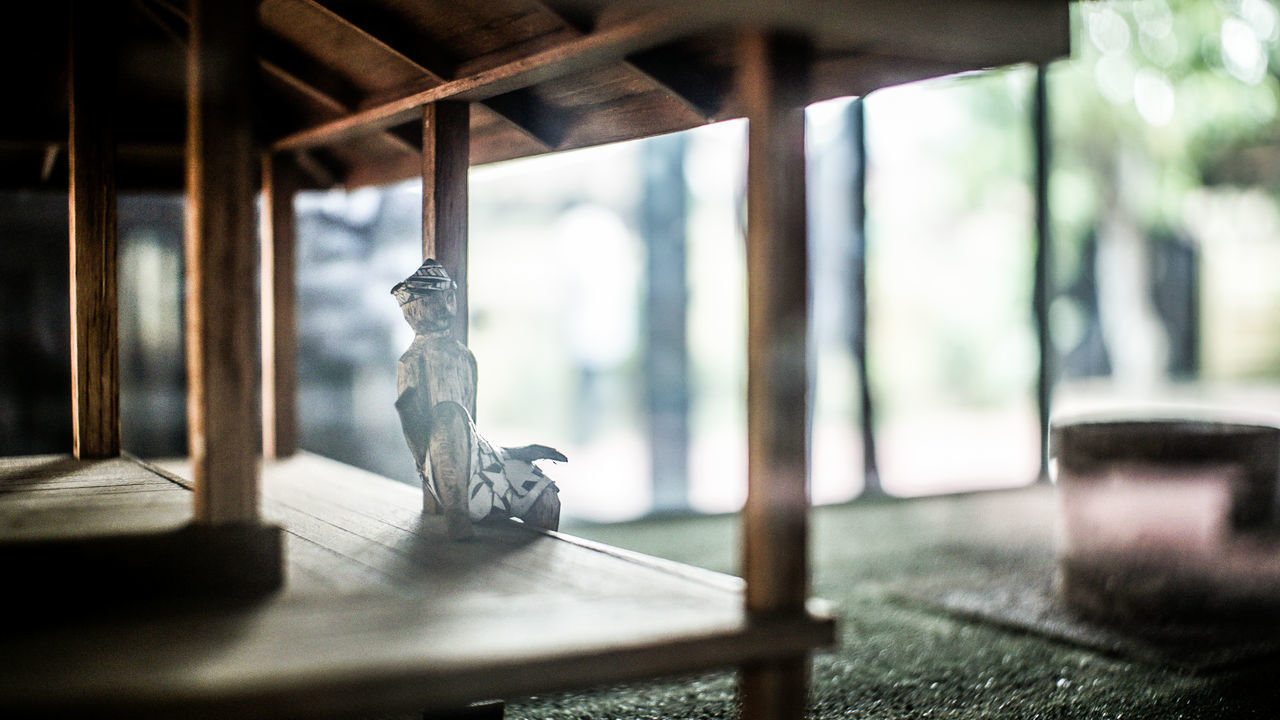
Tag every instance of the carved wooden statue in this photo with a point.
(462, 474)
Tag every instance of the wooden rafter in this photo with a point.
(390, 36)
(610, 44)
(652, 69)
(520, 108)
(701, 89)
(280, 58)
(333, 104)
(291, 68)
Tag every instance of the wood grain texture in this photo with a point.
(95, 354)
(774, 690)
(280, 183)
(772, 88)
(383, 59)
(59, 497)
(446, 147)
(576, 55)
(337, 47)
(221, 256)
(381, 613)
(118, 532)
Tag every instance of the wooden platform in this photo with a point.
(379, 611)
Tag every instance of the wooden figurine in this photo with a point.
(463, 474)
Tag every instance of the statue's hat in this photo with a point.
(429, 277)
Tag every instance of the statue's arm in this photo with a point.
(413, 421)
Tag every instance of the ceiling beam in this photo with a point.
(288, 66)
(390, 34)
(317, 81)
(699, 88)
(597, 48)
(675, 81)
(520, 108)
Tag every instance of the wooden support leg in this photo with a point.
(446, 155)
(222, 262)
(95, 364)
(279, 308)
(772, 89)
(773, 690)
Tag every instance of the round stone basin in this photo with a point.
(1168, 520)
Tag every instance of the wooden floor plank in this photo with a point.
(380, 612)
(57, 497)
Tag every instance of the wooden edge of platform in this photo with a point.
(144, 565)
(172, 477)
(718, 580)
(695, 653)
(409, 686)
(139, 569)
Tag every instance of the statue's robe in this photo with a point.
(436, 381)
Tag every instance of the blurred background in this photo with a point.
(1118, 210)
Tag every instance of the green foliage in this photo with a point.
(1169, 87)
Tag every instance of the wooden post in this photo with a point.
(95, 356)
(1042, 290)
(446, 157)
(221, 262)
(279, 308)
(772, 90)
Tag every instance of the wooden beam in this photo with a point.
(519, 107)
(323, 170)
(775, 689)
(542, 123)
(221, 263)
(280, 58)
(329, 102)
(1042, 291)
(446, 155)
(280, 183)
(282, 62)
(772, 91)
(582, 23)
(680, 75)
(390, 35)
(95, 364)
(606, 45)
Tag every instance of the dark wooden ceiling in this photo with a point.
(341, 83)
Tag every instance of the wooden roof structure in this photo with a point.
(341, 82)
(226, 98)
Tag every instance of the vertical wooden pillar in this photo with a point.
(772, 90)
(279, 308)
(446, 157)
(91, 146)
(221, 247)
(1042, 292)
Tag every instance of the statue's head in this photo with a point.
(427, 298)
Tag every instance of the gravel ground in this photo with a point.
(900, 657)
